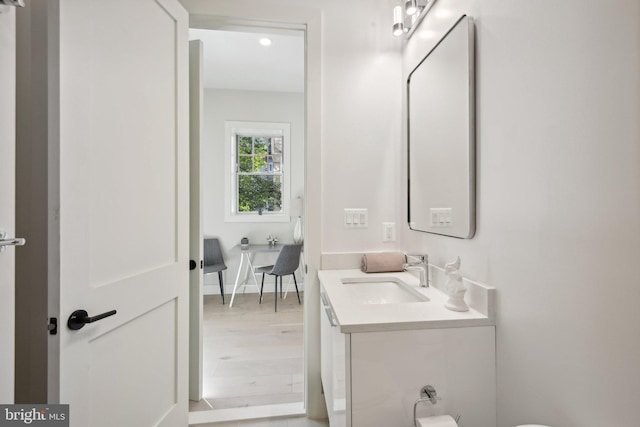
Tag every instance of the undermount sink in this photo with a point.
(381, 290)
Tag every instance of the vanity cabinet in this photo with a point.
(372, 378)
(333, 364)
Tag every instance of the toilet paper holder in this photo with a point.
(429, 394)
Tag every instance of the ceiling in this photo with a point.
(237, 60)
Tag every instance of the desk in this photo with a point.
(246, 262)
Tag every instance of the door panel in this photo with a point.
(122, 150)
(7, 200)
(124, 210)
(121, 350)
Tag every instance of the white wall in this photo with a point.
(254, 106)
(558, 229)
(361, 124)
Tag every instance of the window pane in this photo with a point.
(276, 161)
(260, 164)
(259, 193)
(245, 163)
(260, 146)
(244, 145)
(276, 144)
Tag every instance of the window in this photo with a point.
(257, 176)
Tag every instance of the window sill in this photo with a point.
(257, 218)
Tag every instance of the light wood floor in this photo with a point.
(252, 355)
(282, 422)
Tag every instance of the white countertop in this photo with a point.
(354, 316)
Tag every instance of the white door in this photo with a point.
(118, 96)
(195, 225)
(7, 199)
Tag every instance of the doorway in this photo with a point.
(253, 74)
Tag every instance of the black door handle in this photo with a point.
(79, 318)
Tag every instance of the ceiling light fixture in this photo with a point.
(406, 18)
(398, 21)
(410, 7)
(265, 41)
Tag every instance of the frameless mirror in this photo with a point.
(441, 136)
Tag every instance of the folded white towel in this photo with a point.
(383, 262)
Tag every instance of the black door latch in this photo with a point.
(79, 318)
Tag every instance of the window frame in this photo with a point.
(233, 129)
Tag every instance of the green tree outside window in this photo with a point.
(259, 165)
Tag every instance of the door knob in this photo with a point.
(5, 241)
(79, 318)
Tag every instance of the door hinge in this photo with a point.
(17, 3)
(53, 326)
(4, 241)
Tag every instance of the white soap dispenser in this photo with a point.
(455, 287)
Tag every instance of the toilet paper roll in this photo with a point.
(437, 421)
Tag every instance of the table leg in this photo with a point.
(252, 270)
(248, 268)
(235, 285)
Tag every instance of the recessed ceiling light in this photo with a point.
(265, 41)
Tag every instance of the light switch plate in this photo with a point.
(388, 231)
(356, 218)
(441, 217)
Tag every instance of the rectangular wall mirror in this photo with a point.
(441, 136)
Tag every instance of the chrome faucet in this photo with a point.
(422, 265)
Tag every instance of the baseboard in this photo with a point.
(214, 289)
(246, 413)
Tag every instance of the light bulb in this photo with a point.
(410, 7)
(398, 26)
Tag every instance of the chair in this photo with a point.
(213, 261)
(287, 263)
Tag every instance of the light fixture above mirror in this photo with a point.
(407, 17)
(411, 7)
